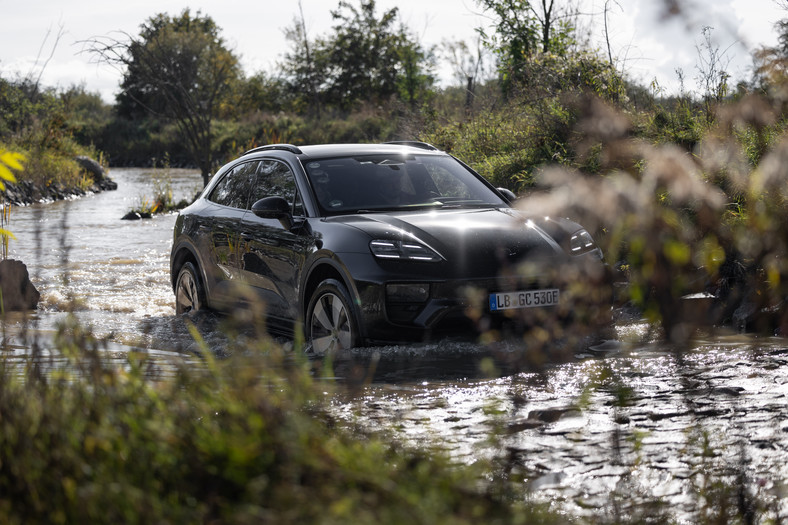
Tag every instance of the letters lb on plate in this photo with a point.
(524, 299)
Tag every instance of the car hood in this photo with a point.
(472, 241)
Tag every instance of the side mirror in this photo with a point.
(507, 194)
(274, 208)
(271, 208)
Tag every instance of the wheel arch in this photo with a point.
(181, 255)
(329, 269)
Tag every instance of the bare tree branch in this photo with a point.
(58, 36)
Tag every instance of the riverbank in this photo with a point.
(94, 179)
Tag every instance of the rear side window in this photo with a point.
(236, 186)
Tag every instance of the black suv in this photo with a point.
(371, 243)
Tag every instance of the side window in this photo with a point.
(274, 178)
(234, 189)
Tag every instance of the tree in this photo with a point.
(416, 65)
(712, 76)
(305, 64)
(469, 66)
(771, 62)
(178, 68)
(363, 56)
(521, 27)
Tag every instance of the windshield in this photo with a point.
(371, 183)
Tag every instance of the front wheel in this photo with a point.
(189, 293)
(330, 321)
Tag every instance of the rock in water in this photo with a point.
(90, 166)
(18, 293)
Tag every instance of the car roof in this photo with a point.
(340, 150)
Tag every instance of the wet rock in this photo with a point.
(551, 415)
(659, 416)
(622, 419)
(523, 424)
(91, 167)
(699, 309)
(101, 182)
(25, 192)
(136, 215)
(18, 293)
(131, 216)
(744, 314)
(711, 412)
(728, 390)
(549, 480)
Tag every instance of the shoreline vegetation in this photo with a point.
(93, 178)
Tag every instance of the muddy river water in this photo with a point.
(627, 428)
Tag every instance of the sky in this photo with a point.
(645, 45)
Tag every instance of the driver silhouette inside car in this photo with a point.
(390, 186)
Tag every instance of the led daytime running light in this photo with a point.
(403, 250)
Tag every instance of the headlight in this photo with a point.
(581, 242)
(406, 250)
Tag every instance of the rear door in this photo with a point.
(222, 219)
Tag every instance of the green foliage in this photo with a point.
(415, 80)
(520, 29)
(242, 440)
(681, 122)
(87, 114)
(257, 93)
(367, 58)
(137, 142)
(162, 200)
(46, 127)
(509, 141)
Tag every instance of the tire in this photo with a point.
(331, 324)
(189, 292)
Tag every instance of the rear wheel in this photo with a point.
(189, 293)
(331, 324)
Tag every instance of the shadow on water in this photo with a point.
(451, 360)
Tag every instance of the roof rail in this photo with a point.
(285, 147)
(413, 143)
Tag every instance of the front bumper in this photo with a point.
(455, 306)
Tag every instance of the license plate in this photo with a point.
(524, 299)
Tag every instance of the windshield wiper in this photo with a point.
(402, 207)
(470, 204)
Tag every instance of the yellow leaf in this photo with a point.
(12, 160)
(7, 233)
(6, 174)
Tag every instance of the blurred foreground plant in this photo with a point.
(8, 161)
(666, 215)
(241, 440)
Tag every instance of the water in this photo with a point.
(631, 420)
(113, 273)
